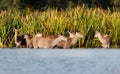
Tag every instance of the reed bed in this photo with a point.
(52, 21)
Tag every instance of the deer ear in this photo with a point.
(77, 32)
(100, 30)
(68, 32)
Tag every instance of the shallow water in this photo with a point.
(56, 61)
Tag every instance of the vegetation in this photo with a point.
(60, 4)
(52, 21)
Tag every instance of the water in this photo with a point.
(56, 61)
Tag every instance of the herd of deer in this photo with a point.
(52, 41)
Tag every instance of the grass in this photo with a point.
(52, 21)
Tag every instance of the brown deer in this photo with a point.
(104, 39)
(71, 40)
(19, 40)
(50, 41)
(28, 38)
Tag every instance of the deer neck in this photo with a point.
(16, 34)
(74, 40)
(101, 38)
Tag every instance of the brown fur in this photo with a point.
(45, 42)
(68, 43)
(35, 40)
(48, 42)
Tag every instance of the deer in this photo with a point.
(35, 39)
(50, 41)
(28, 39)
(19, 40)
(71, 40)
(57, 40)
(104, 39)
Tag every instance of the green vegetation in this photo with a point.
(52, 21)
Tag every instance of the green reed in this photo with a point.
(52, 21)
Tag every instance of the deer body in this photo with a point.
(104, 39)
(50, 41)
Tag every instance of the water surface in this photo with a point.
(59, 61)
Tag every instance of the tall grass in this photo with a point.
(55, 22)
